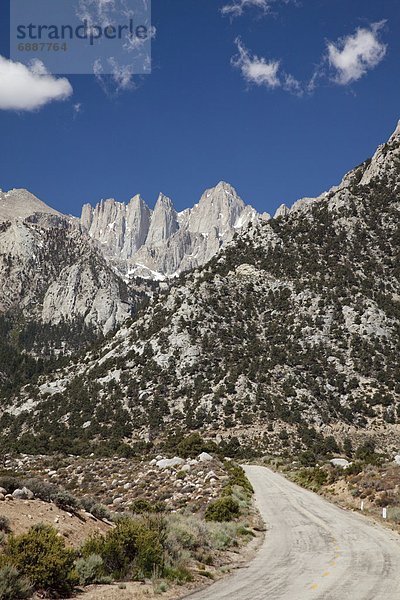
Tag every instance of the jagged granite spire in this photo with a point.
(160, 243)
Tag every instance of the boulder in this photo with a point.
(210, 475)
(23, 494)
(205, 457)
(2, 497)
(167, 463)
(340, 462)
(397, 459)
(3, 491)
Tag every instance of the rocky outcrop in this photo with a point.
(50, 269)
(120, 228)
(163, 243)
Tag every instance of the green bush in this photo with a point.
(237, 476)
(65, 500)
(96, 509)
(134, 547)
(313, 478)
(41, 556)
(41, 489)
(12, 585)
(10, 483)
(141, 506)
(223, 509)
(366, 453)
(100, 512)
(5, 524)
(193, 444)
(90, 570)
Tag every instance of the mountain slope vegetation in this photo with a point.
(288, 338)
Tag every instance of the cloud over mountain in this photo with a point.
(29, 88)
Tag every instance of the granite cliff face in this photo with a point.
(162, 243)
(50, 270)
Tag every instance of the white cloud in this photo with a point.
(122, 75)
(29, 87)
(259, 71)
(99, 12)
(237, 7)
(256, 70)
(292, 85)
(353, 56)
(121, 78)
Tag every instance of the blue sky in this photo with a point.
(215, 109)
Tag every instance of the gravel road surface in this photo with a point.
(313, 550)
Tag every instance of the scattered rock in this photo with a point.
(210, 475)
(340, 462)
(166, 463)
(205, 457)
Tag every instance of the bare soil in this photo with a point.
(73, 527)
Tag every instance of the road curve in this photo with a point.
(313, 550)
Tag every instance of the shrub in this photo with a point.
(90, 570)
(366, 453)
(193, 444)
(41, 489)
(223, 509)
(100, 512)
(5, 524)
(312, 478)
(185, 533)
(65, 500)
(178, 572)
(237, 476)
(41, 556)
(12, 585)
(394, 515)
(134, 547)
(10, 483)
(141, 506)
(223, 535)
(93, 507)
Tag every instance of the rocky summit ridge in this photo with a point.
(162, 243)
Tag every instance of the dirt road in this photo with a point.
(313, 550)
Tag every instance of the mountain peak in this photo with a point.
(396, 132)
(19, 203)
(164, 221)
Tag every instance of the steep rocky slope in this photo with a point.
(163, 243)
(57, 292)
(64, 283)
(295, 323)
